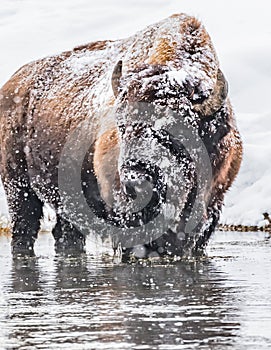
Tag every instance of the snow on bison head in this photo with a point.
(133, 139)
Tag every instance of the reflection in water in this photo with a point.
(91, 303)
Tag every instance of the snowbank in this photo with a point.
(250, 196)
(242, 37)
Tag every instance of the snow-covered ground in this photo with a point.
(240, 30)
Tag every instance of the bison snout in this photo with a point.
(142, 183)
(136, 184)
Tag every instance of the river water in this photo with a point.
(222, 301)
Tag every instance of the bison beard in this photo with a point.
(151, 118)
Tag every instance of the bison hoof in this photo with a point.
(22, 249)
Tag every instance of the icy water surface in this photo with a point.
(221, 302)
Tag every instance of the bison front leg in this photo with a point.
(26, 211)
(67, 237)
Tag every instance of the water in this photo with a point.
(220, 302)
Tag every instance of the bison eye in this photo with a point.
(194, 92)
(121, 128)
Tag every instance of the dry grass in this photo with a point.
(5, 228)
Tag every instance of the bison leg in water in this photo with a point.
(67, 236)
(26, 211)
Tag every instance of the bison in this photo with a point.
(142, 129)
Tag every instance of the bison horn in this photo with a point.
(115, 81)
(223, 85)
(217, 98)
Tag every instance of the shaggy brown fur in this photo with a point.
(46, 100)
(105, 163)
(165, 52)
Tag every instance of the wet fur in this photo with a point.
(42, 103)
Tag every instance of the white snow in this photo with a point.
(250, 196)
(240, 31)
(177, 76)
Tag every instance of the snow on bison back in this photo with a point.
(133, 139)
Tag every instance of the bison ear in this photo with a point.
(115, 80)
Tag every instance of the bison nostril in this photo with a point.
(130, 190)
